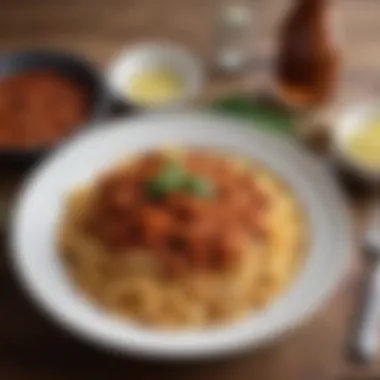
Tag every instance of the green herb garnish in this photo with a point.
(198, 186)
(260, 110)
(173, 178)
(170, 178)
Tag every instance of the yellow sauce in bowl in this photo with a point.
(155, 86)
(363, 145)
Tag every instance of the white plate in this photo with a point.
(36, 215)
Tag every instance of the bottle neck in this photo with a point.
(311, 6)
(309, 12)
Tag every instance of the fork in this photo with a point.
(365, 337)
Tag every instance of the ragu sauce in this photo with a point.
(38, 107)
(185, 227)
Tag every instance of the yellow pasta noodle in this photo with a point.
(134, 284)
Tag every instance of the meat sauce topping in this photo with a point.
(196, 212)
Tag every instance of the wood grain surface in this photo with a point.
(32, 347)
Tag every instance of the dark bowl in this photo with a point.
(68, 65)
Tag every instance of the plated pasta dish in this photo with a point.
(182, 237)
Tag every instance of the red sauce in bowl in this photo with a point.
(38, 107)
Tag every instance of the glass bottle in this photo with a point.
(309, 55)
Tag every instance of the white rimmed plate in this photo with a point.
(35, 222)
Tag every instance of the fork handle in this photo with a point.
(365, 338)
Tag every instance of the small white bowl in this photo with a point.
(349, 122)
(147, 56)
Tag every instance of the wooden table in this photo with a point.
(33, 348)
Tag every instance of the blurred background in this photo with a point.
(31, 347)
(98, 29)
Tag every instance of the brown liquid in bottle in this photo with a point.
(308, 63)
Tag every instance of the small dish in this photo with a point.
(146, 57)
(68, 65)
(349, 123)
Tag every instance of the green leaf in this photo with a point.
(198, 186)
(153, 190)
(172, 177)
(169, 178)
(262, 112)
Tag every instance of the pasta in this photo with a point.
(133, 275)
